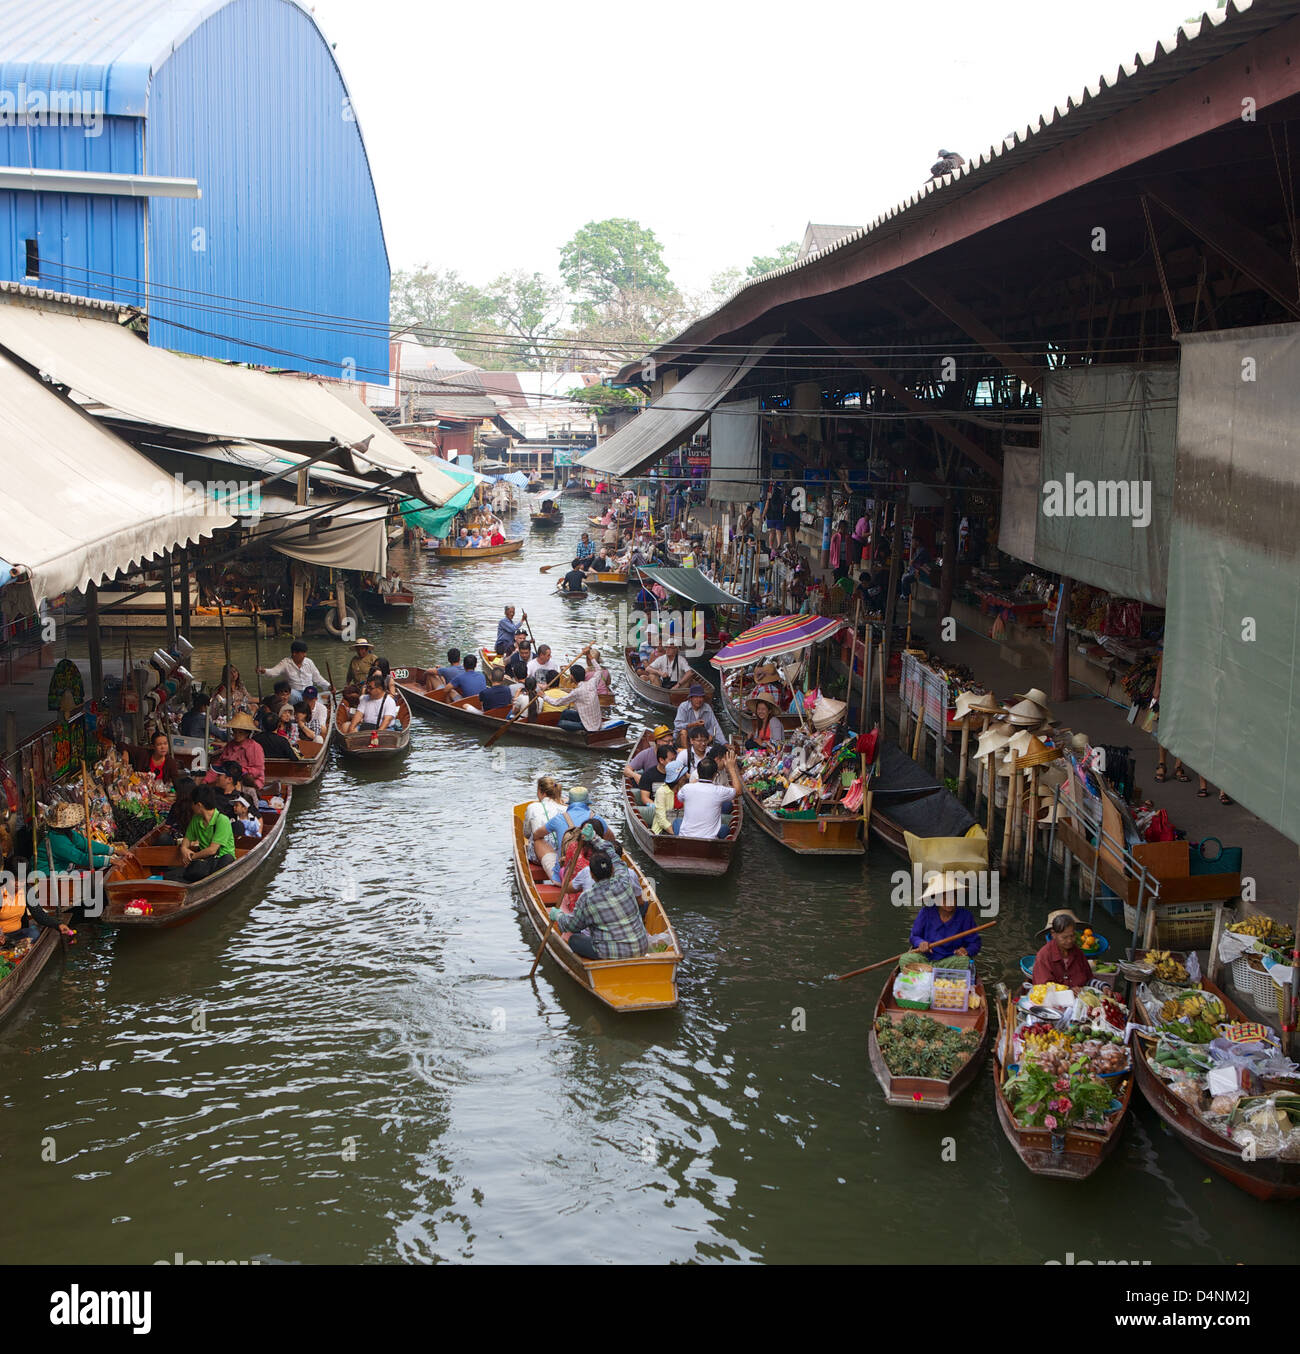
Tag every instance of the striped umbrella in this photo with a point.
(780, 634)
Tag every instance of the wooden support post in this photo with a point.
(1031, 825)
(185, 592)
(991, 771)
(300, 572)
(1061, 647)
(1009, 818)
(962, 759)
(169, 591)
(94, 649)
(920, 731)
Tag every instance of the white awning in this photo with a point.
(671, 420)
(353, 535)
(79, 503)
(117, 369)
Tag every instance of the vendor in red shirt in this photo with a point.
(497, 538)
(243, 751)
(1060, 960)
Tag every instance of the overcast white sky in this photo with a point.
(496, 129)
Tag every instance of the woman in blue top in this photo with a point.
(935, 924)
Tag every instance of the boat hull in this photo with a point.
(358, 745)
(657, 695)
(28, 971)
(825, 835)
(451, 554)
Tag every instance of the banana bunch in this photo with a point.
(1194, 1006)
(1168, 969)
(1263, 928)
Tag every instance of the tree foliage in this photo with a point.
(605, 398)
(766, 263)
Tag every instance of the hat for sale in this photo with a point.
(969, 703)
(993, 739)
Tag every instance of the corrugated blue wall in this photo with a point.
(253, 107)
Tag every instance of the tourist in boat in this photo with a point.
(606, 921)
(644, 794)
(161, 762)
(469, 681)
(601, 673)
(585, 548)
(380, 668)
(581, 706)
(1061, 960)
(246, 822)
(182, 809)
(670, 669)
(548, 803)
(542, 667)
(695, 710)
(209, 843)
(312, 716)
(224, 778)
(940, 917)
(452, 667)
(517, 663)
(666, 806)
(271, 736)
(231, 696)
(243, 751)
(645, 759)
(508, 630)
(298, 668)
(359, 667)
(194, 721)
(496, 537)
(707, 806)
(700, 746)
(377, 709)
(575, 580)
(546, 839)
(526, 702)
(768, 732)
(65, 845)
(498, 693)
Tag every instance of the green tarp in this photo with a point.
(691, 584)
(437, 521)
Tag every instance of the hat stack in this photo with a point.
(1031, 710)
(827, 712)
(993, 740)
(973, 709)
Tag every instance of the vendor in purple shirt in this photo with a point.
(935, 923)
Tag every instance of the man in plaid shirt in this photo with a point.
(606, 922)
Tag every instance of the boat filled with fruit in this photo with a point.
(1062, 1075)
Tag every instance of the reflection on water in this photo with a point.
(344, 1061)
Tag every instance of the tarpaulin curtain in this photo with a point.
(1106, 425)
(733, 453)
(1228, 691)
(1018, 525)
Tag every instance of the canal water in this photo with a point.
(345, 1060)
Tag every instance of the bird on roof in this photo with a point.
(949, 162)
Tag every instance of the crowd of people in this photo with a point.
(675, 787)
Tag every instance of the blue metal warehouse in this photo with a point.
(201, 160)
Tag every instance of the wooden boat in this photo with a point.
(829, 834)
(544, 727)
(645, 984)
(26, 973)
(576, 491)
(906, 798)
(608, 582)
(489, 658)
(548, 519)
(399, 603)
(535, 486)
(1072, 1155)
(312, 756)
(458, 555)
(928, 1093)
(390, 743)
(1264, 1178)
(173, 900)
(574, 594)
(656, 694)
(682, 855)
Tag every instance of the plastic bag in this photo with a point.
(914, 985)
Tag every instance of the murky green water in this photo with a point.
(344, 1061)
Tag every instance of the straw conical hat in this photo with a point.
(66, 815)
(1039, 754)
(993, 739)
(1028, 714)
(968, 702)
(827, 712)
(950, 881)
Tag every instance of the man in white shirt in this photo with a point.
(704, 803)
(377, 708)
(670, 667)
(298, 670)
(542, 663)
(694, 710)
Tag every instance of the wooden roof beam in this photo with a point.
(973, 327)
(953, 436)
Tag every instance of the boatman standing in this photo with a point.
(298, 670)
(508, 629)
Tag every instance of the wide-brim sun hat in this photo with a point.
(1028, 714)
(64, 814)
(243, 721)
(993, 739)
(363, 644)
(1034, 694)
(970, 702)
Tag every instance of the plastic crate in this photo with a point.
(1179, 926)
(954, 1003)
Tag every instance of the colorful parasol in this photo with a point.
(780, 634)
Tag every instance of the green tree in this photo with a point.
(605, 398)
(607, 262)
(529, 307)
(766, 263)
(440, 308)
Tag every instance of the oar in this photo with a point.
(947, 940)
(334, 700)
(512, 718)
(546, 568)
(569, 870)
(257, 651)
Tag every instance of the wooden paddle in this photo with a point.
(506, 723)
(569, 871)
(945, 941)
(546, 568)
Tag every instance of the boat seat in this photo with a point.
(549, 894)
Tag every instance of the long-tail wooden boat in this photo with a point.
(455, 554)
(444, 702)
(906, 798)
(575, 491)
(172, 901)
(828, 834)
(607, 582)
(548, 519)
(573, 594)
(661, 696)
(1072, 1155)
(1264, 1178)
(27, 971)
(928, 1093)
(682, 855)
(491, 659)
(312, 756)
(367, 745)
(645, 984)
(400, 602)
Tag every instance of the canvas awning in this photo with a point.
(80, 504)
(692, 585)
(675, 416)
(352, 535)
(118, 370)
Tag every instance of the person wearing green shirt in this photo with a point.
(209, 843)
